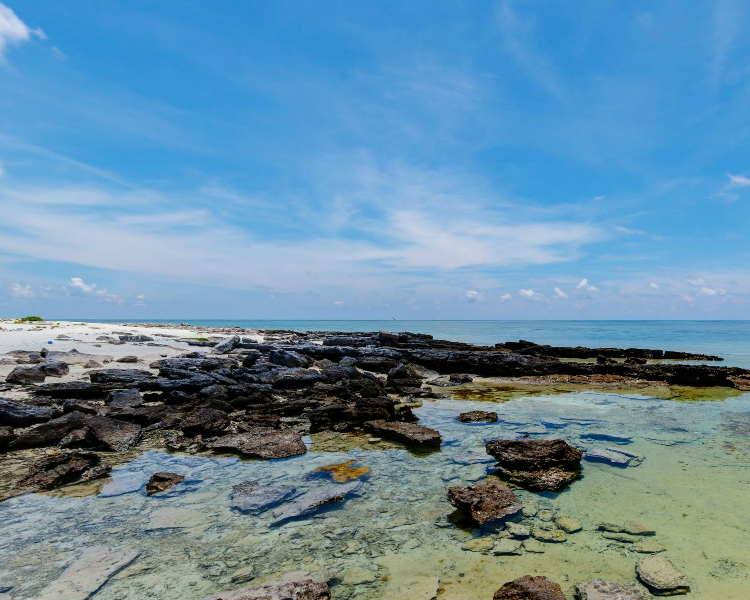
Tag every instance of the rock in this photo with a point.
(121, 377)
(517, 530)
(552, 536)
(357, 576)
(606, 590)
(407, 433)
(553, 423)
(485, 501)
(125, 399)
(136, 338)
(6, 437)
(460, 378)
(630, 527)
(26, 375)
(613, 456)
(227, 345)
(568, 524)
(205, 421)
(18, 414)
(537, 464)
(88, 573)
(660, 576)
(174, 518)
(289, 358)
(298, 590)
(115, 435)
(49, 433)
(480, 544)
(92, 364)
(121, 484)
(507, 546)
(127, 359)
(53, 368)
(162, 481)
(546, 515)
(607, 437)
(529, 588)
(309, 502)
(534, 546)
(477, 416)
(625, 538)
(648, 547)
(418, 588)
(55, 470)
(254, 498)
(262, 444)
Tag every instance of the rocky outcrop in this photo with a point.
(298, 590)
(61, 469)
(530, 588)
(262, 444)
(18, 414)
(485, 501)
(660, 576)
(162, 481)
(26, 375)
(607, 590)
(536, 464)
(114, 434)
(477, 416)
(406, 433)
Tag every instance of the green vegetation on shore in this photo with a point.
(29, 319)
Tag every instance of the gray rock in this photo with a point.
(18, 414)
(227, 345)
(125, 399)
(264, 444)
(289, 358)
(311, 501)
(659, 575)
(136, 338)
(612, 456)
(407, 433)
(607, 437)
(507, 546)
(26, 375)
(114, 434)
(254, 498)
(607, 590)
(53, 368)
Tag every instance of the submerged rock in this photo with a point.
(262, 444)
(659, 575)
(250, 497)
(407, 433)
(477, 416)
(613, 456)
(537, 464)
(607, 590)
(298, 590)
(607, 437)
(485, 501)
(60, 469)
(309, 502)
(162, 481)
(530, 588)
(630, 527)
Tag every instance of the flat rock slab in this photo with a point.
(613, 456)
(18, 414)
(420, 588)
(114, 434)
(122, 484)
(485, 501)
(659, 575)
(82, 579)
(311, 501)
(265, 444)
(607, 437)
(530, 588)
(298, 590)
(607, 590)
(477, 416)
(406, 433)
(250, 497)
(174, 518)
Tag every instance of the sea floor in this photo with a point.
(396, 537)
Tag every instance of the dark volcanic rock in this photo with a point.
(60, 469)
(122, 377)
(51, 432)
(407, 433)
(477, 416)
(162, 481)
(262, 444)
(74, 389)
(136, 338)
(6, 437)
(26, 375)
(485, 501)
(537, 464)
(530, 588)
(293, 378)
(54, 368)
(298, 590)
(254, 498)
(17, 414)
(289, 358)
(227, 344)
(113, 434)
(311, 501)
(461, 378)
(125, 399)
(205, 421)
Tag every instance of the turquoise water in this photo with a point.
(728, 339)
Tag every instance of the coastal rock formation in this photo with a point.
(660, 576)
(262, 444)
(485, 501)
(477, 416)
(162, 481)
(407, 433)
(25, 375)
(298, 590)
(536, 464)
(530, 588)
(60, 469)
(18, 414)
(607, 590)
(311, 501)
(254, 498)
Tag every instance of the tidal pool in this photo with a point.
(395, 537)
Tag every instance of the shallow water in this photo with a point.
(692, 488)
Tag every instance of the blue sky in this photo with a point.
(382, 159)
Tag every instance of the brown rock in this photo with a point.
(485, 501)
(262, 444)
(59, 469)
(530, 588)
(537, 464)
(407, 433)
(206, 421)
(162, 481)
(115, 435)
(477, 416)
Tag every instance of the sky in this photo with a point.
(375, 160)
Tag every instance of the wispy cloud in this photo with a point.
(738, 180)
(14, 31)
(559, 293)
(79, 285)
(18, 290)
(585, 285)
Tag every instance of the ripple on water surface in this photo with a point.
(395, 534)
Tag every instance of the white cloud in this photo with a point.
(687, 298)
(696, 282)
(529, 293)
(505, 297)
(14, 31)
(628, 231)
(338, 302)
(79, 285)
(141, 296)
(585, 285)
(21, 291)
(559, 293)
(2, 171)
(738, 180)
(471, 295)
(712, 291)
(653, 286)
